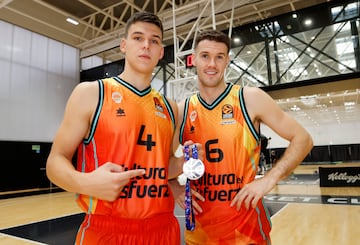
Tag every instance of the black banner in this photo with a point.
(342, 176)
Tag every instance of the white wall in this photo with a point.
(91, 62)
(329, 134)
(37, 77)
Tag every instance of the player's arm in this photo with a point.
(175, 163)
(177, 189)
(177, 160)
(73, 129)
(263, 109)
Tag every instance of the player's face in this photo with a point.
(142, 46)
(211, 59)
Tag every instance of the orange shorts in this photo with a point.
(108, 230)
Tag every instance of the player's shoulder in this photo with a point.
(87, 85)
(86, 90)
(252, 90)
(254, 94)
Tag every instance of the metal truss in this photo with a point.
(278, 59)
(184, 82)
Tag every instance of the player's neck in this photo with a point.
(210, 94)
(138, 80)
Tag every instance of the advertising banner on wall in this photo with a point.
(341, 176)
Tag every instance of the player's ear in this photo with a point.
(161, 54)
(193, 59)
(123, 45)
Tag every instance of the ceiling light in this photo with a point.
(308, 22)
(349, 103)
(309, 100)
(295, 108)
(72, 21)
(321, 107)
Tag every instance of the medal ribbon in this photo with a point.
(189, 211)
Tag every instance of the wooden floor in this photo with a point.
(303, 219)
(317, 224)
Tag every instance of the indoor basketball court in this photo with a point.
(304, 53)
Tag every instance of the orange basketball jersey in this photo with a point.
(232, 151)
(134, 129)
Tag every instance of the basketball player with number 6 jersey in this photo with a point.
(225, 119)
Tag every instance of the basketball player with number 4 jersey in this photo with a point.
(225, 119)
(123, 132)
(146, 197)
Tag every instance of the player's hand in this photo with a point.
(251, 193)
(178, 192)
(196, 200)
(179, 196)
(107, 181)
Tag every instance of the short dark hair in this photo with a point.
(144, 17)
(213, 35)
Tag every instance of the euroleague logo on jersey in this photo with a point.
(227, 111)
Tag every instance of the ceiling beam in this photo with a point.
(4, 3)
(45, 23)
(185, 13)
(66, 14)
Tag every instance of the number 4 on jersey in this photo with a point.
(148, 142)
